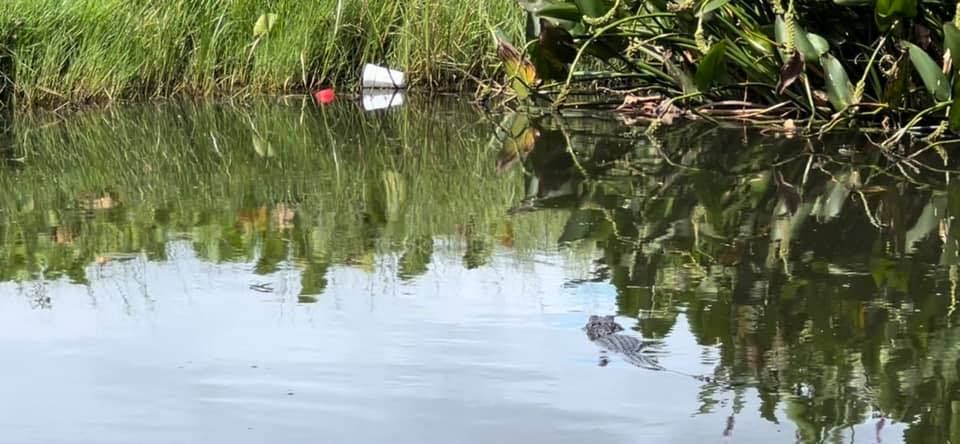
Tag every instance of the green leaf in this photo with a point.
(888, 11)
(780, 32)
(801, 41)
(951, 40)
(711, 5)
(560, 11)
(954, 115)
(805, 46)
(839, 88)
(820, 44)
(264, 24)
(594, 8)
(930, 72)
(712, 66)
(758, 41)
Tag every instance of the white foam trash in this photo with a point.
(382, 100)
(375, 76)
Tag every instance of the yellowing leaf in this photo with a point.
(521, 74)
(264, 24)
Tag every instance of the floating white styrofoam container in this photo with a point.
(375, 76)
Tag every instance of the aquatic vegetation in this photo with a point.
(100, 50)
(825, 64)
(815, 275)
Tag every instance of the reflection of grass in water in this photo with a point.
(340, 187)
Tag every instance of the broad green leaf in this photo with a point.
(264, 24)
(780, 33)
(594, 8)
(759, 41)
(930, 72)
(712, 66)
(887, 11)
(805, 46)
(954, 115)
(800, 41)
(839, 88)
(819, 44)
(712, 5)
(951, 40)
(560, 11)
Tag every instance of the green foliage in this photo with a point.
(887, 11)
(839, 88)
(849, 53)
(712, 67)
(78, 51)
(933, 78)
(951, 41)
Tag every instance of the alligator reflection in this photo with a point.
(826, 284)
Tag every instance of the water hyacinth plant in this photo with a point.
(832, 63)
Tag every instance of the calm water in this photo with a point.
(275, 272)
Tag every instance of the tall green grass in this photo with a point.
(80, 50)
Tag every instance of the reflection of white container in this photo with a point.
(382, 100)
(379, 77)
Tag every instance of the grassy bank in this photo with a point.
(77, 51)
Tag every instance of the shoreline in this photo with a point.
(108, 50)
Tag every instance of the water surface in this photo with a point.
(278, 272)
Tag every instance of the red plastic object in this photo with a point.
(324, 96)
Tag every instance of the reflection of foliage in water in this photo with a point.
(826, 284)
(830, 312)
(103, 186)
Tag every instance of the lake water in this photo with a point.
(278, 272)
